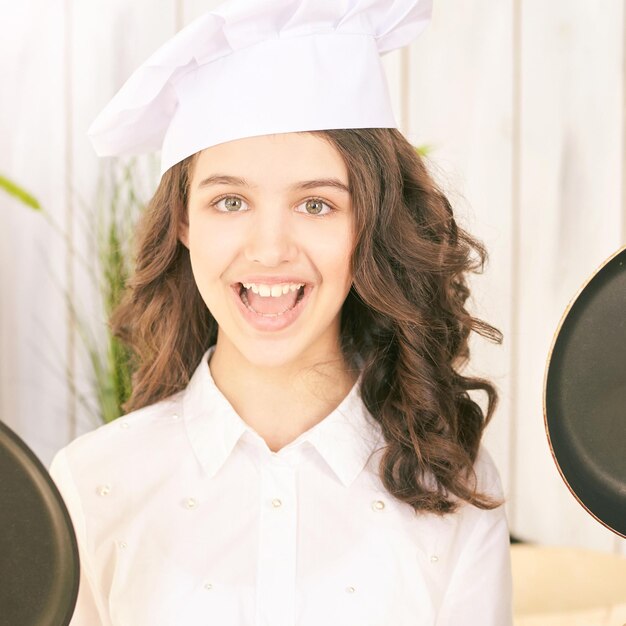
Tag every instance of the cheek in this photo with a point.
(210, 249)
(332, 255)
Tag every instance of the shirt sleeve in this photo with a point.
(480, 590)
(90, 607)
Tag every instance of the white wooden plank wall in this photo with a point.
(570, 219)
(33, 123)
(523, 105)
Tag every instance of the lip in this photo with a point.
(271, 280)
(259, 322)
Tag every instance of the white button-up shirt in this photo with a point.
(185, 517)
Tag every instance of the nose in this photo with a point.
(270, 240)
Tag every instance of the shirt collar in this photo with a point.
(345, 438)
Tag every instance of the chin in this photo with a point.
(270, 351)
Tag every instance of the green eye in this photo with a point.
(316, 204)
(232, 203)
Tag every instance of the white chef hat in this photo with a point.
(258, 67)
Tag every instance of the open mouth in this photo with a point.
(243, 294)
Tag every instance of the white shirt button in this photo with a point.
(208, 586)
(434, 558)
(104, 490)
(123, 544)
(378, 505)
(175, 416)
(191, 503)
(124, 425)
(276, 503)
(350, 589)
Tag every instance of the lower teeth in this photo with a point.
(244, 298)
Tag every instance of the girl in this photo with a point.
(301, 447)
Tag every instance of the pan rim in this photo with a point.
(555, 337)
(40, 478)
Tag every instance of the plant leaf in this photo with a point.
(423, 150)
(21, 194)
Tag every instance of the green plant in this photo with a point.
(105, 256)
(119, 206)
(18, 192)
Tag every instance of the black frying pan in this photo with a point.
(585, 395)
(39, 567)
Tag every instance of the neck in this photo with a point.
(280, 402)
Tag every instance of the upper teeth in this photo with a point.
(272, 290)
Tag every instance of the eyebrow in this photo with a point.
(223, 179)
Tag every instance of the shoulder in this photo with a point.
(469, 520)
(123, 439)
(487, 475)
(487, 481)
(472, 518)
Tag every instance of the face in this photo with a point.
(276, 220)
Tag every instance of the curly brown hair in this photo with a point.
(404, 318)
